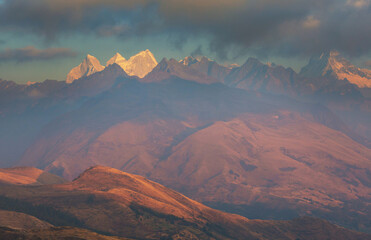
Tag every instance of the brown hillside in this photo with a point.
(28, 176)
(108, 200)
(19, 220)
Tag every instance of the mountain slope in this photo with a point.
(28, 176)
(129, 205)
(132, 206)
(214, 143)
(89, 66)
(17, 220)
(23, 112)
(133, 101)
(94, 84)
(345, 99)
(25, 109)
(259, 156)
(55, 233)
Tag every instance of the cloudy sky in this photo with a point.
(44, 39)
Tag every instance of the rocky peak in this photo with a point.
(117, 58)
(188, 61)
(138, 65)
(332, 64)
(89, 66)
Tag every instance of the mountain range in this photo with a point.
(259, 140)
(139, 65)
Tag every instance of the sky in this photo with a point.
(44, 39)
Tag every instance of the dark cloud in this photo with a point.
(31, 53)
(265, 27)
(51, 18)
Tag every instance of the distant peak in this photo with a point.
(332, 64)
(146, 54)
(188, 61)
(118, 55)
(91, 60)
(327, 57)
(173, 61)
(204, 59)
(252, 61)
(164, 64)
(117, 58)
(138, 65)
(170, 65)
(164, 60)
(88, 56)
(89, 66)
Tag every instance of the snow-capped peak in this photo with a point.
(140, 64)
(147, 55)
(334, 65)
(89, 66)
(91, 61)
(118, 59)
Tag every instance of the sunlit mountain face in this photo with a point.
(185, 120)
